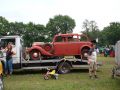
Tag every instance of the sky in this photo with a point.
(40, 11)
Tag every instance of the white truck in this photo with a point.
(19, 62)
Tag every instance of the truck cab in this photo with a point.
(16, 47)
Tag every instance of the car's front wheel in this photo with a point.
(35, 55)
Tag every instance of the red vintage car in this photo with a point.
(62, 45)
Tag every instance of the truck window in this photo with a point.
(4, 42)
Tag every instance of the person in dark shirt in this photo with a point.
(9, 60)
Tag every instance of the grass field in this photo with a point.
(75, 80)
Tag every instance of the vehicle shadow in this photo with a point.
(24, 72)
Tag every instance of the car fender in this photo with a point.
(85, 46)
(41, 50)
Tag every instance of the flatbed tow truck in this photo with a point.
(63, 65)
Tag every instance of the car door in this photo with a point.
(60, 46)
(72, 45)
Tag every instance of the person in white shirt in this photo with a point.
(92, 59)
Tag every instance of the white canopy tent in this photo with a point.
(117, 52)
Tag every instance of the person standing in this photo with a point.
(92, 61)
(9, 60)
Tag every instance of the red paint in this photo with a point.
(63, 45)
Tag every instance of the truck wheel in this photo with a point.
(35, 55)
(83, 54)
(64, 67)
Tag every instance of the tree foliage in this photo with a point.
(111, 33)
(108, 36)
(36, 32)
(4, 26)
(60, 24)
(30, 32)
(91, 29)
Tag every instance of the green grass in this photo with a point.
(76, 80)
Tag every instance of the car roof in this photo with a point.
(69, 34)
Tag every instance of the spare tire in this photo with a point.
(48, 47)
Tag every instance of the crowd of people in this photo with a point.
(107, 51)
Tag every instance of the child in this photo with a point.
(51, 73)
(92, 57)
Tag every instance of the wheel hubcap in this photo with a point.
(35, 54)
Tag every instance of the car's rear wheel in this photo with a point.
(35, 55)
(84, 52)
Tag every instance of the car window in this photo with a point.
(60, 39)
(75, 38)
(70, 39)
(83, 38)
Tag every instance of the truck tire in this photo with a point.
(35, 55)
(64, 68)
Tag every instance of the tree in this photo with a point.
(86, 27)
(60, 24)
(4, 26)
(94, 30)
(111, 33)
(91, 29)
(17, 28)
(34, 33)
